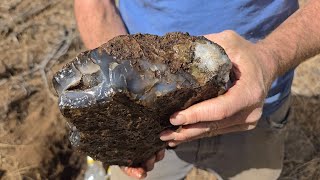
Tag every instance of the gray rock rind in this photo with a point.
(120, 96)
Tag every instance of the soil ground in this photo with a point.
(36, 38)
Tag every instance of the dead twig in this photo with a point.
(26, 14)
(19, 171)
(60, 49)
(4, 145)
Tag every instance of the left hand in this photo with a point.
(240, 108)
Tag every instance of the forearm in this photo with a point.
(98, 21)
(295, 40)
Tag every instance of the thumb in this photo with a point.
(227, 39)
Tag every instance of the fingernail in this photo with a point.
(139, 175)
(144, 175)
(171, 144)
(166, 136)
(178, 119)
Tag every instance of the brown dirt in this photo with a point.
(36, 38)
(172, 49)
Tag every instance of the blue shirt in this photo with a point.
(252, 19)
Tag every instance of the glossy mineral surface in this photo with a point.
(120, 96)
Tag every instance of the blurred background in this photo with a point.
(37, 37)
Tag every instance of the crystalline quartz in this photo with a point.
(120, 96)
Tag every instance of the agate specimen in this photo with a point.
(119, 96)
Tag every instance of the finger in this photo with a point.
(188, 131)
(149, 164)
(228, 37)
(238, 121)
(214, 109)
(138, 173)
(221, 107)
(236, 128)
(160, 155)
(167, 135)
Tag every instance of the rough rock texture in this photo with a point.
(119, 97)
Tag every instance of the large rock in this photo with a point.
(119, 97)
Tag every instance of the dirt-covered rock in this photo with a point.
(119, 97)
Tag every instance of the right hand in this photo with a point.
(141, 172)
(240, 108)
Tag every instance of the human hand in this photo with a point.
(141, 172)
(240, 107)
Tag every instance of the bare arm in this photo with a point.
(297, 39)
(98, 21)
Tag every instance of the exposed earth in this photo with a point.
(38, 37)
